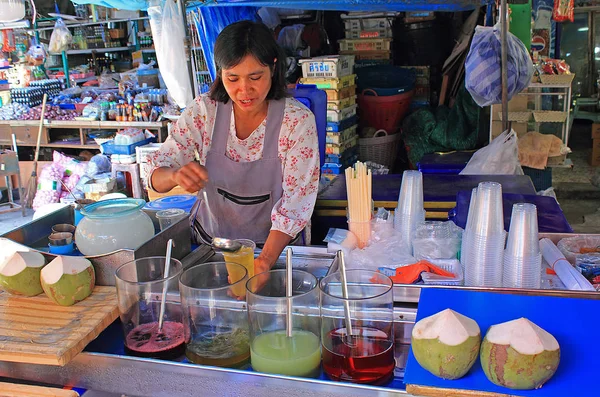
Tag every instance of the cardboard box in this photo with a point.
(137, 57)
(520, 128)
(596, 131)
(25, 168)
(517, 104)
(595, 160)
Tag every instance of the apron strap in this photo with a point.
(222, 122)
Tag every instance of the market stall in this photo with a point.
(341, 320)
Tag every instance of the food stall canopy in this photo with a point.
(339, 5)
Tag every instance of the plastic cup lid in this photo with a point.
(182, 201)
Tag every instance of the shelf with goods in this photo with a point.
(523, 117)
(201, 77)
(77, 132)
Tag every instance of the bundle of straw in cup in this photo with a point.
(360, 209)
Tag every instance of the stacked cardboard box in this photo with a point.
(334, 74)
(368, 37)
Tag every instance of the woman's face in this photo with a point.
(248, 84)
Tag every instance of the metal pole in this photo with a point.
(503, 38)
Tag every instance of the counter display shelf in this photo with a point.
(26, 131)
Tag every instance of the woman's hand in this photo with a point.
(192, 177)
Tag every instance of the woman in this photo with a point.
(256, 150)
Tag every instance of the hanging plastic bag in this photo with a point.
(483, 75)
(169, 37)
(500, 157)
(61, 38)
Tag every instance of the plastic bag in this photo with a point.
(36, 55)
(564, 10)
(483, 77)
(169, 39)
(49, 186)
(500, 157)
(572, 247)
(61, 38)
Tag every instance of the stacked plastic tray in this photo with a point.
(334, 74)
(368, 37)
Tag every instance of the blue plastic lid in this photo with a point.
(112, 208)
(182, 201)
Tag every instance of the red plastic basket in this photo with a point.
(383, 112)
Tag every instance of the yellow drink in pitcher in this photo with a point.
(245, 257)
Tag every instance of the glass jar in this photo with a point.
(111, 225)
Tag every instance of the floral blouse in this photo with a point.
(298, 152)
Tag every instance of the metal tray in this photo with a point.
(34, 235)
(104, 367)
(409, 293)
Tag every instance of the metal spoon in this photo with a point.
(226, 244)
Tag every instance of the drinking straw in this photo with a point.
(288, 268)
(165, 276)
(345, 293)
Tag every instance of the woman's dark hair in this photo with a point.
(248, 38)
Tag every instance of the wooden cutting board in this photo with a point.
(15, 390)
(35, 330)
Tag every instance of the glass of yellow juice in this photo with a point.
(245, 257)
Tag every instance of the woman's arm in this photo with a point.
(173, 164)
(276, 242)
(300, 146)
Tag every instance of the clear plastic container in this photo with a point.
(216, 319)
(111, 225)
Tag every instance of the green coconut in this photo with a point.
(68, 279)
(519, 355)
(446, 344)
(20, 273)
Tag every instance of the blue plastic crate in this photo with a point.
(316, 100)
(330, 168)
(111, 148)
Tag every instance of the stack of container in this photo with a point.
(334, 75)
(368, 37)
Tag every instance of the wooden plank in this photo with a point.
(35, 330)
(16, 390)
(429, 391)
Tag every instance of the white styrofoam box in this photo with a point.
(328, 66)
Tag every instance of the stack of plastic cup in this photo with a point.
(522, 258)
(483, 246)
(410, 212)
(468, 227)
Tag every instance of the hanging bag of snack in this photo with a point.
(61, 38)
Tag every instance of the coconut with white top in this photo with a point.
(20, 273)
(68, 279)
(519, 354)
(446, 344)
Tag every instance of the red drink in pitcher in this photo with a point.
(365, 357)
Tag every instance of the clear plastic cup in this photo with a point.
(362, 231)
(215, 319)
(140, 288)
(168, 217)
(523, 234)
(522, 272)
(488, 215)
(411, 192)
(244, 256)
